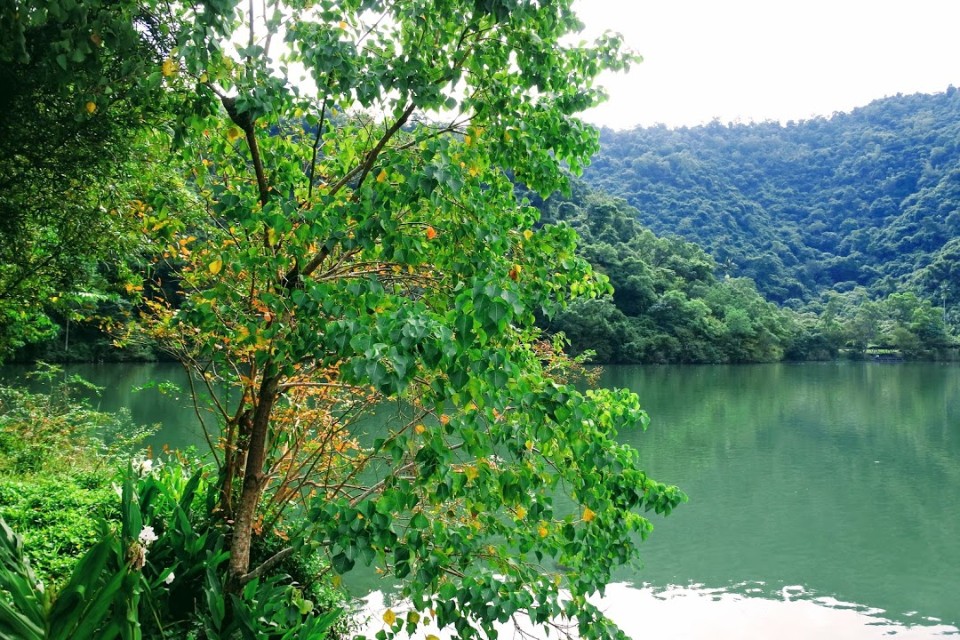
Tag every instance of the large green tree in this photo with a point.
(362, 246)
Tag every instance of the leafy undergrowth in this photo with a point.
(58, 518)
(77, 509)
(55, 470)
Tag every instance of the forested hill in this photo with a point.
(868, 198)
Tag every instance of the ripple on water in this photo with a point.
(743, 612)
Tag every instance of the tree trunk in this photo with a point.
(253, 484)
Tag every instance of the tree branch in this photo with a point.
(266, 565)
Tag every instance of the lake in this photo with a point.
(824, 498)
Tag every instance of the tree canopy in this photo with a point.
(76, 106)
(667, 303)
(866, 198)
(350, 240)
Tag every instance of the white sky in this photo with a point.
(755, 60)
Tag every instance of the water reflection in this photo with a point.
(741, 612)
(842, 477)
(697, 612)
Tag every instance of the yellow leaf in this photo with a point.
(389, 617)
(91, 107)
(528, 234)
(216, 266)
(471, 472)
(588, 514)
(382, 175)
(233, 133)
(272, 236)
(467, 139)
(431, 637)
(169, 67)
(431, 233)
(343, 25)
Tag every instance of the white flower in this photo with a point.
(169, 578)
(147, 537)
(142, 466)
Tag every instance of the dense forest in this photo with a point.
(758, 242)
(672, 302)
(861, 199)
(739, 243)
(667, 305)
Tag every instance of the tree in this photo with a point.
(73, 74)
(363, 246)
(668, 306)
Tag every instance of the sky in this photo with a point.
(757, 60)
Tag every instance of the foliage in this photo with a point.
(60, 431)
(667, 304)
(58, 518)
(56, 467)
(901, 321)
(71, 157)
(362, 247)
(145, 577)
(186, 561)
(84, 607)
(866, 198)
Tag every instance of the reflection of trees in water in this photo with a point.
(842, 477)
(910, 409)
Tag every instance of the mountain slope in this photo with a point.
(870, 198)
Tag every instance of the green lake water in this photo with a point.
(824, 498)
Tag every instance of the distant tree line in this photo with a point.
(865, 199)
(672, 303)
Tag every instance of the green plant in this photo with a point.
(93, 605)
(157, 575)
(184, 566)
(361, 244)
(58, 519)
(60, 431)
(56, 467)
